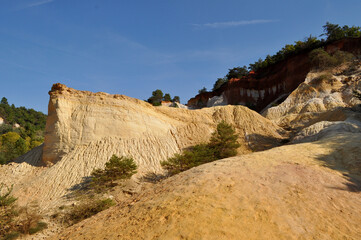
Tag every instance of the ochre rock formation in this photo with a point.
(323, 96)
(290, 192)
(260, 89)
(85, 129)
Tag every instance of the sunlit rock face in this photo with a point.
(85, 129)
(149, 134)
(260, 89)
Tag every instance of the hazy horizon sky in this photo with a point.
(134, 47)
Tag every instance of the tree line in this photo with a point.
(157, 98)
(332, 32)
(16, 140)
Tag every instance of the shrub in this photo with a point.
(156, 98)
(85, 209)
(176, 99)
(223, 143)
(39, 227)
(116, 168)
(219, 83)
(5, 198)
(321, 60)
(203, 90)
(190, 158)
(14, 220)
(167, 97)
(343, 57)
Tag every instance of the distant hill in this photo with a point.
(21, 129)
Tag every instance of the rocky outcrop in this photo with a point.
(323, 96)
(260, 89)
(85, 129)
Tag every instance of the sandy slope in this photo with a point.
(302, 191)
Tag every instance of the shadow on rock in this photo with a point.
(345, 157)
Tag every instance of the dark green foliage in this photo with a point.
(4, 101)
(167, 97)
(176, 99)
(116, 168)
(5, 197)
(15, 220)
(335, 32)
(31, 131)
(237, 72)
(11, 236)
(321, 60)
(203, 90)
(156, 98)
(224, 141)
(223, 144)
(86, 209)
(192, 157)
(219, 83)
(40, 226)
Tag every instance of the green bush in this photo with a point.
(15, 220)
(5, 196)
(223, 144)
(321, 60)
(192, 157)
(85, 209)
(343, 57)
(116, 168)
(224, 141)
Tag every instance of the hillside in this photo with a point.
(85, 129)
(308, 188)
(301, 191)
(21, 129)
(257, 90)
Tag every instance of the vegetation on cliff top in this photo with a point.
(333, 32)
(22, 130)
(157, 98)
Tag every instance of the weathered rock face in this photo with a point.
(78, 118)
(323, 96)
(272, 82)
(85, 129)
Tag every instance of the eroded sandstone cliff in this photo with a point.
(260, 89)
(85, 129)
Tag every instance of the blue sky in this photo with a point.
(134, 47)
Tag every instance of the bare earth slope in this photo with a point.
(84, 129)
(302, 191)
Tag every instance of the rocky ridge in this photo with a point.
(85, 129)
